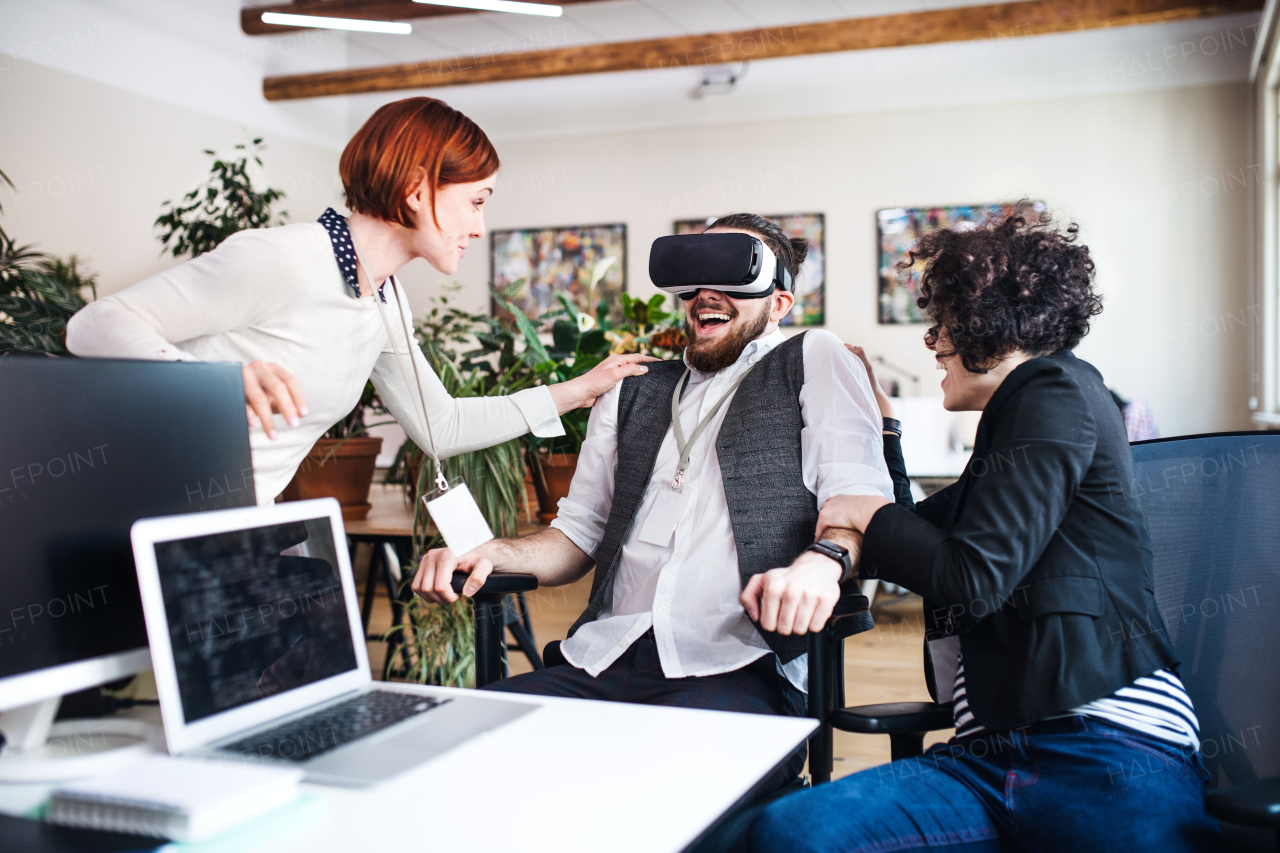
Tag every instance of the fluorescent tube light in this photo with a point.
(325, 23)
(500, 6)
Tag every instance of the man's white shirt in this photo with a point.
(687, 590)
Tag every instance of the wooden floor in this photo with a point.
(883, 665)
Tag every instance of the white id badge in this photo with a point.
(660, 525)
(459, 519)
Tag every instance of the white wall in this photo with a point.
(93, 163)
(1156, 180)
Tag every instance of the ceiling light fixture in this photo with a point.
(326, 23)
(500, 6)
(719, 81)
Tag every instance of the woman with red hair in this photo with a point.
(312, 310)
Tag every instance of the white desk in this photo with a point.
(571, 776)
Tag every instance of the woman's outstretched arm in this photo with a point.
(460, 425)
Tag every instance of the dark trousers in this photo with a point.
(1071, 784)
(637, 677)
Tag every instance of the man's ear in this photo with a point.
(783, 302)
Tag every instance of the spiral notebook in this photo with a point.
(183, 799)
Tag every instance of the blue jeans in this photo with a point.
(1071, 784)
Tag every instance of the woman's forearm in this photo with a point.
(897, 466)
(460, 425)
(107, 329)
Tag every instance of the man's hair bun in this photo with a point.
(799, 251)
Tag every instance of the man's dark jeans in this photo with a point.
(1071, 784)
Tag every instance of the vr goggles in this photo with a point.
(740, 265)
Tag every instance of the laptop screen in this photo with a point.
(254, 613)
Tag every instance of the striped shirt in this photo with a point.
(1156, 705)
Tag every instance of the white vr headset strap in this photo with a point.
(776, 271)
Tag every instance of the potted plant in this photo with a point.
(225, 203)
(478, 355)
(342, 463)
(578, 343)
(38, 294)
(439, 640)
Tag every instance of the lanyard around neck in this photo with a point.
(442, 483)
(686, 447)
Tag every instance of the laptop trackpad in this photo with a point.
(439, 730)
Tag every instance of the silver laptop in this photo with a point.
(259, 651)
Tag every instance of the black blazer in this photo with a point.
(1037, 556)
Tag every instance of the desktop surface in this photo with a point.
(574, 775)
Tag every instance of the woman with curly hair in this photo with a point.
(1071, 733)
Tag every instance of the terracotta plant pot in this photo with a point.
(340, 469)
(551, 474)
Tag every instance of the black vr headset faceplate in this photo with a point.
(729, 262)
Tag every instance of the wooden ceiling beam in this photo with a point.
(998, 21)
(370, 10)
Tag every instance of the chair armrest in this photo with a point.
(1255, 803)
(893, 718)
(851, 615)
(498, 583)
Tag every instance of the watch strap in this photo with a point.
(893, 425)
(836, 552)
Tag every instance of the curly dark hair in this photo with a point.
(1021, 284)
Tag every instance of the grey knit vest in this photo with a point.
(772, 513)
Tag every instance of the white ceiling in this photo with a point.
(615, 20)
(194, 54)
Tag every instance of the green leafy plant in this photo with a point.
(224, 204)
(579, 342)
(474, 356)
(38, 294)
(439, 644)
(477, 355)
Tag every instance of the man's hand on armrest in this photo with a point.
(800, 598)
(548, 555)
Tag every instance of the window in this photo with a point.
(1264, 400)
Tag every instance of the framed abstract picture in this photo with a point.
(586, 263)
(900, 228)
(812, 281)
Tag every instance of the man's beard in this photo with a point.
(712, 355)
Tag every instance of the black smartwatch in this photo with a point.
(827, 548)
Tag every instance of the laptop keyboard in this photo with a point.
(335, 726)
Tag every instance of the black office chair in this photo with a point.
(1213, 506)
(498, 606)
(850, 616)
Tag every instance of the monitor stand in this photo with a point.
(37, 749)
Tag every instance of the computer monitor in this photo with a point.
(87, 447)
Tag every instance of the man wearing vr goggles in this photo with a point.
(697, 493)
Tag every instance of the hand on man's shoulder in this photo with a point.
(825, 346)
